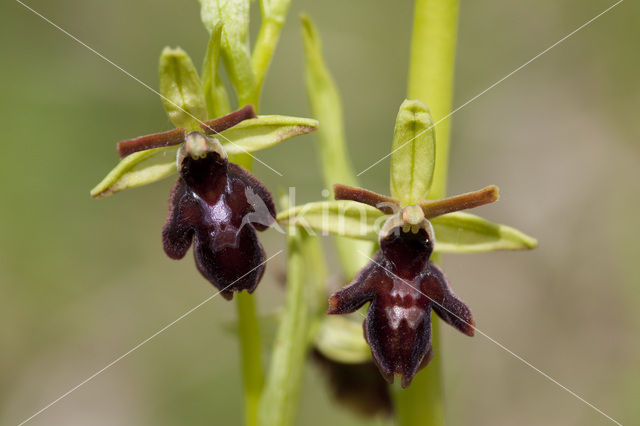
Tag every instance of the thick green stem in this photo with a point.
(252, 374)
(431, 72)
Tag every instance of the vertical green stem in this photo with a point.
(252, 374)
(248, 328)
(250, 341)
(431, 72)
(249, 335)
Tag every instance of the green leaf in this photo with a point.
(413, 153)
(326, 106)
(467, 233)
(262, 132)
(340, 339)
(138, 169)
(343, 217)
(234, 16)
(182, 95)
(214, 92)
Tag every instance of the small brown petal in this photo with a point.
(386, 205)
(225, 122)
(156, 140)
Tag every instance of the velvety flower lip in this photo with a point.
(218, 206)
(403, 286)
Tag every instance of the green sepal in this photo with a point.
(215, 93)
(262, 132)
(467, 233)
(342, 217)
(340, 339)
(413, 153)
(137, 169)
(181, 90)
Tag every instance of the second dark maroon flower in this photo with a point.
(403, 286)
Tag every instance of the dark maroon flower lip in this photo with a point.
(217, 206)
(403, 286)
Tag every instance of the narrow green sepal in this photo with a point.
(467, 233)
(265, 131)
(181, 90)
(413, 153)
(137, 169)
(342, 217)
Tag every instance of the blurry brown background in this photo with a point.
(83, 281)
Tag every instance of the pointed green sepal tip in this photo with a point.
(264, 131)
(467, 233)
(137, 169)
(181, 89)
(413, 153)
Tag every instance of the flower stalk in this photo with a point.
(431, 72)
(251, 353)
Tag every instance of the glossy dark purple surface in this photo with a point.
(218, 206)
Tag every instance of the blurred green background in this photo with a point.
(83, 281)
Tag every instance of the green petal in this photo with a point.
(346, 218)
(182, 95)
(340, 339)
(413, 153)
(262, 132)
(138, 169)
(466, 233)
